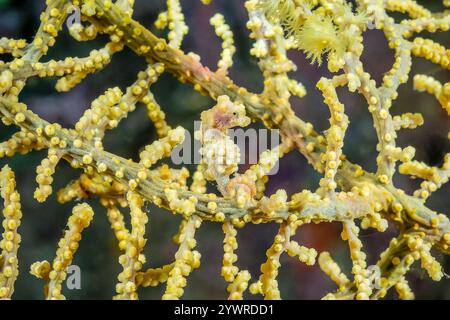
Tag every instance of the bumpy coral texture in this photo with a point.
(328, 31)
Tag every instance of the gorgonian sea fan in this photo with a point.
(347, 193)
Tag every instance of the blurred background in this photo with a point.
(43, 224)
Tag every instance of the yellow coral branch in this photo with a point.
(11, 238)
